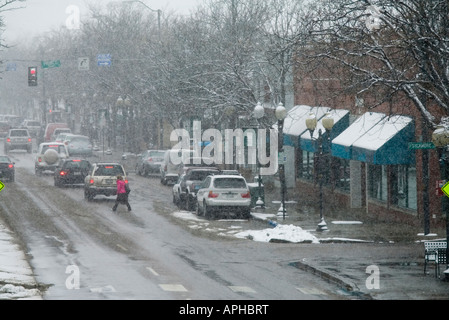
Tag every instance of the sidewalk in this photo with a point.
(367, 258)
(17, 280)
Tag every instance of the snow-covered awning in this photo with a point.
(295, 122)
(341, 122)
(378, 139)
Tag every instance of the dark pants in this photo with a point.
(122, 198)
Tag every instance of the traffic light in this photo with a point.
(32, 76)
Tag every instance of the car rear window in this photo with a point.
(200, 175)
(109, 170)
(157, 154)
(33, 124)
(19, 133)
(82, 164)
(4, 159)
(223, 183)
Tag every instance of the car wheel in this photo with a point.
(246, 213)
(88, 195)
(12, 178)
(164, 181)
(29, 150)
(175, 201)
(38, 172)
(191, 205)
(207, 211)
(198, 211)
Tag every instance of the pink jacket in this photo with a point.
(121, 186)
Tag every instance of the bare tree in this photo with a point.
(393, 47)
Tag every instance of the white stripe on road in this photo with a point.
(153, 271)
(173, 287)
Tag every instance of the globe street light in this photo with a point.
(440, 139)
(281, 113)
(259, 112)
(328, 123)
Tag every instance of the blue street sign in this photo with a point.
(104, 59)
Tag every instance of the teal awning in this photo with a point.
(342, 144)
(378, 139)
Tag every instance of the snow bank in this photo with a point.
(288, 233)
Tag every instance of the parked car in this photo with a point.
(102, 179)
(18, 139)
(49, 155)
(71, 171)
(4, 128)
(224, 192)
(185, 190)
(150, 162)
(170, 165)
(78, 145)
(7, 168)
(33, 127)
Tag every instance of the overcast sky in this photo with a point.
(40, 16)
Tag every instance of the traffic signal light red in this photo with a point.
(32, 76)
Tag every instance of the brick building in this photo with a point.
(389, 181)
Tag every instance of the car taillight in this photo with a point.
(8, 139)
(10, 166)
(212, 195)
(126, 181)
(246, 195)
(150, 159)
(39, 159)
(62, 173)
(91, 181)
(29, 139)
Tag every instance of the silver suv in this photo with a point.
(48, 156)
(102, 179)
(18, 139)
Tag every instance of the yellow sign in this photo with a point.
(445, 189)
(1, 186)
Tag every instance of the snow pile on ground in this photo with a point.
(15, 273)
(287, 233)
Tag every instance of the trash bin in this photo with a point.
(256, 192)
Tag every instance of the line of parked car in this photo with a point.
(201, 186)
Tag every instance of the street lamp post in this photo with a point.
(328, 123)
(258, 114)
(281, 113)
(440, 139)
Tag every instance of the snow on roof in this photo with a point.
(295, 122)
(358, 128)
(381, 132)
(336, 114)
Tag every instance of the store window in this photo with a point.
(402, 184)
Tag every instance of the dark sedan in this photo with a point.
(71, 171)
(7, 168)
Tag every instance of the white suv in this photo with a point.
(227, 193)
(102, 179)
(49, 155)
